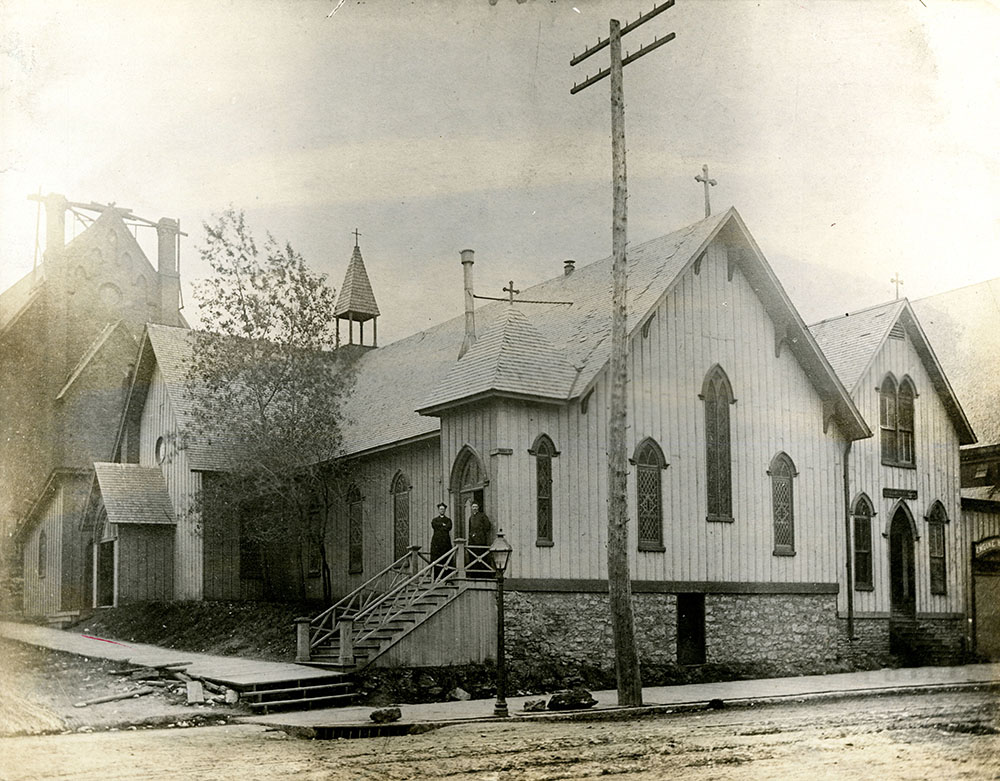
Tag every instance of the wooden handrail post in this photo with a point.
(302, 639)
(414, 559)
(346, 641)
(460, 556)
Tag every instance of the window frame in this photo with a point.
(649, 463)
(862, 513)
(400, 489)
(937, 549)
(543, 450)
(717, 393)
(897, 421)
(355, 503)
(782, 473)
(42, 565)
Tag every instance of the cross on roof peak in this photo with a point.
(511, 291)
(708, 183)
(897, 280)
(357, 235)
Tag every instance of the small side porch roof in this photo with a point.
(134, 494)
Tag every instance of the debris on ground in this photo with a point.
(386, 715)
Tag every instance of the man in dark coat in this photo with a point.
(441, 538)
(480, 531)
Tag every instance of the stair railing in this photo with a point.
(360, 614)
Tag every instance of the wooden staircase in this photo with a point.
(327, 692)
(381, 613)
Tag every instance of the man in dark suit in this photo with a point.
(480, 531)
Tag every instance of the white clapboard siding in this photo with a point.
(42, 595)
(421, 464)
(706, 320)
(159, 419)
(936, 477)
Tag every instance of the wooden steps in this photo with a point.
(324, 692)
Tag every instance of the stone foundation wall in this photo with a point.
(869, 648)
(940, 640)
(750, 634)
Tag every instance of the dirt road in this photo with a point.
(941, 736)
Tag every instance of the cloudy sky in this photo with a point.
(857, 138)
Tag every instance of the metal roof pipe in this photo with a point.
(470, 302)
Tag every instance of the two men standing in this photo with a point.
(480, 532)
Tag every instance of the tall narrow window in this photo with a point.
(717, 394)
(936, 521)
(251, 554)
(862, 515)
(896, 421)
(400, 516)
(649, 464)
(904, 414)
(544, 451)
(782, 504)
(43, 553)
(355, 531)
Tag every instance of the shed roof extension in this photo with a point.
(134, 494)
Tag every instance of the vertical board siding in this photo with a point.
(705, 320)
(981, 524)
(158, 419)
(936, 477)
(42, 595)
(374, 474)
(145, 563)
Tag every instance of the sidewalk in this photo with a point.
(654, 697)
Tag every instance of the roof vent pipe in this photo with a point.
(569, 266)
(470, 303)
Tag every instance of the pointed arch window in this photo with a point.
(717, 394)
(782, 471)
(936, 520)
(544, 450)
(862, 514)
(896, 421)
(400, 516)
(649, 464)
(468, 485)
(355, 531)
(43, 553)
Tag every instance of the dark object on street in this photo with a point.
(534, 705)
(385, 715)
(716, 704)
(576, 698)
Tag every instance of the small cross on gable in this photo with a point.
(356, 236)
(708, 183)
(897, 281)
(511, 291)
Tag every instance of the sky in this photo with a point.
(857, 138)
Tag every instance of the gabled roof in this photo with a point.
(852, 341)
(396, 379)
(964, 327)
(19, 297)
(356, 299)
(134, 494)
(512, 358)
(93, 350)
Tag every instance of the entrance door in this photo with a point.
(106, 574)
(690, 629)
(902, 591)
(468, 481)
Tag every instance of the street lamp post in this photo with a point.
(500, 550)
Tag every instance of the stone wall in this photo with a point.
(745, 634)
(869, 648)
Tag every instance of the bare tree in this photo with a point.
(266, 392)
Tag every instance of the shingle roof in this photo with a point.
(356, 296)
(851, 341)
(19, 296)
(964, 327)
(134, 494)
(511, 357)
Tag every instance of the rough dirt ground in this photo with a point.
(38, 688)
(930, 736)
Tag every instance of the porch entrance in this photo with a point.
(468, 486)
(986, 597)
(106, 574)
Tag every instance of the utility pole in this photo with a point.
(619, 581)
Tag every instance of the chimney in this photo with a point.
(470, 303)
(569, 266)
(55, 223)
(166, 264)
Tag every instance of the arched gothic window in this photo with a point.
(544, 451)
(355, 531)
(468, 485)
(649, 464)
(717, 394)
(400, 516)
(862, 513)
(896, 421)
(782, 471)
(936, 520)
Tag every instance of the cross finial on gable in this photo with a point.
(897, 280)
(511, 291)
(356, 236)
(708, 183)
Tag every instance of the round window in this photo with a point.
(161, 450)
